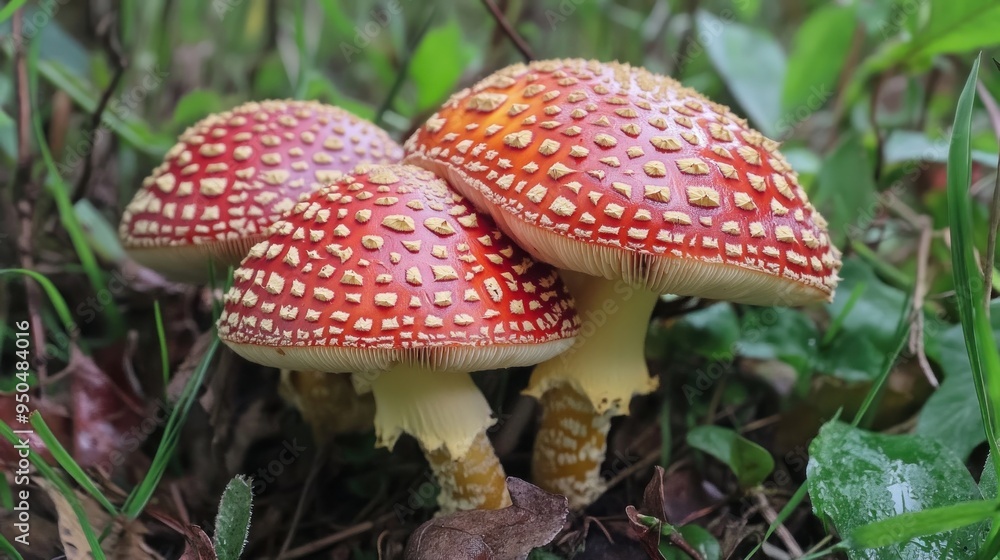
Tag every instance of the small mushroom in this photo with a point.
(232, 174)
(391, 275)
(641, 187)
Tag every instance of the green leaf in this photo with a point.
(982, 350)
(856, 477)
(699, 538)
(911, 145)
(913, 525)
(750, 462)
(951, 415)
(817, 57)
(437, 64)
(846, 188)
(988, 484)
(100, 234)
(958, 26)
(867, 331)
(752, 65)
(232, 524)
(194, 106)
(778, 333)
(709, 332)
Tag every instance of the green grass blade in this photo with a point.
(911, 525)
(162, 338)
(52, 476)
(55, 298)
(59, 191)
(8, 11)
(835, 325)
(142, 493)
(67, 462)
(968, 281)
(8, 548)
(901, 337)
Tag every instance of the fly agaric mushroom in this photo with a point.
(388, 274)
(646, 186)
(232, 174)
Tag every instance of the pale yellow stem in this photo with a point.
(448, 416)
(583, 388)
(327, 402)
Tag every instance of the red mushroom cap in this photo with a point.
(232, 174)
(391, 266)
(613, 171)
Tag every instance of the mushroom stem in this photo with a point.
(448, 416)
(583, 388)
(328, 402)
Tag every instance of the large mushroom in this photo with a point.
(389, 274)
(645, 187)
(232, 174)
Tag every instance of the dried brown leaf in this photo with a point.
(197, 545)
(123, 542)
(534, 519)
(103, 412)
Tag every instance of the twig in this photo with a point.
(339, 536)
(22, 176)
(508, 29)
(783, 533)
(105, 28)
(643, 463)
(314, 471)
(919, 295)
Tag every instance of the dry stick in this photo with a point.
(337, 537)
(509, 30)
(919, 295)
(318, 461)
(22, 176)
(95, 120)
(783, 533)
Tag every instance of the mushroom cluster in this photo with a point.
(630, 183)
(387, 273)
(642, 187)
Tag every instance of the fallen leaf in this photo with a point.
(657, 504)
(534, 519)
(104, 414)
(197, 545)
(125, 541)
(648, 536)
